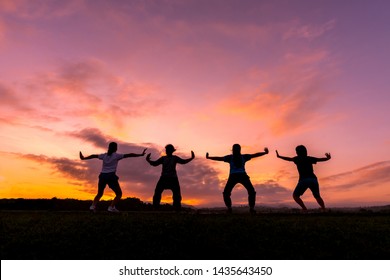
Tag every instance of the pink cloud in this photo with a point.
(309, 31)
(78, 91)
(287, 99)
(2, 32)
(8, 97)
(40, 8)
(13, 108)
(10, 5)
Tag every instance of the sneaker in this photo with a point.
(112, 209)
(92, 208)
(252, 211)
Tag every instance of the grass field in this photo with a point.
(79, 235)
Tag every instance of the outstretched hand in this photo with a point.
(143, 153)
(266, 150)
(277, 154)
(327, 155)
(207, 155)
(81, 156)
(148, 157)
(192, 154)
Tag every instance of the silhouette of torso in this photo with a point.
(305, 166)
(234, 168)
(169, 166)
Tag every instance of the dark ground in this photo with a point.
(273, 234)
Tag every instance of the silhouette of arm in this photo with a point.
(82, 157)
(153, 162)
(215, 158)
(134, 155)
(260, 153)
(184, 161)
(327, 157)
(282, 157)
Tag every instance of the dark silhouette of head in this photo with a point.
(301, 151)
(236, 149)
(237, 158)
(169, 149)
(112, 148)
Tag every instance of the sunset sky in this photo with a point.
(202, 75)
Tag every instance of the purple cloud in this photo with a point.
(374, 174)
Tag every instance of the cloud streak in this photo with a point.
(309, 32)
(41, 8)
(375, 174)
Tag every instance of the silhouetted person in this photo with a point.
(238, 174)
(307, 178)
(168, 179)
(108, 174)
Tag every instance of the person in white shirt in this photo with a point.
(108, 174)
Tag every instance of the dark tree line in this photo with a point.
(56, 204)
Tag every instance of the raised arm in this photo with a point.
(184, 161)
(215, 158)
(134, 155)
(82, 157)
(282, 157)
(327, 157)
(260, 153)
(153, 162)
